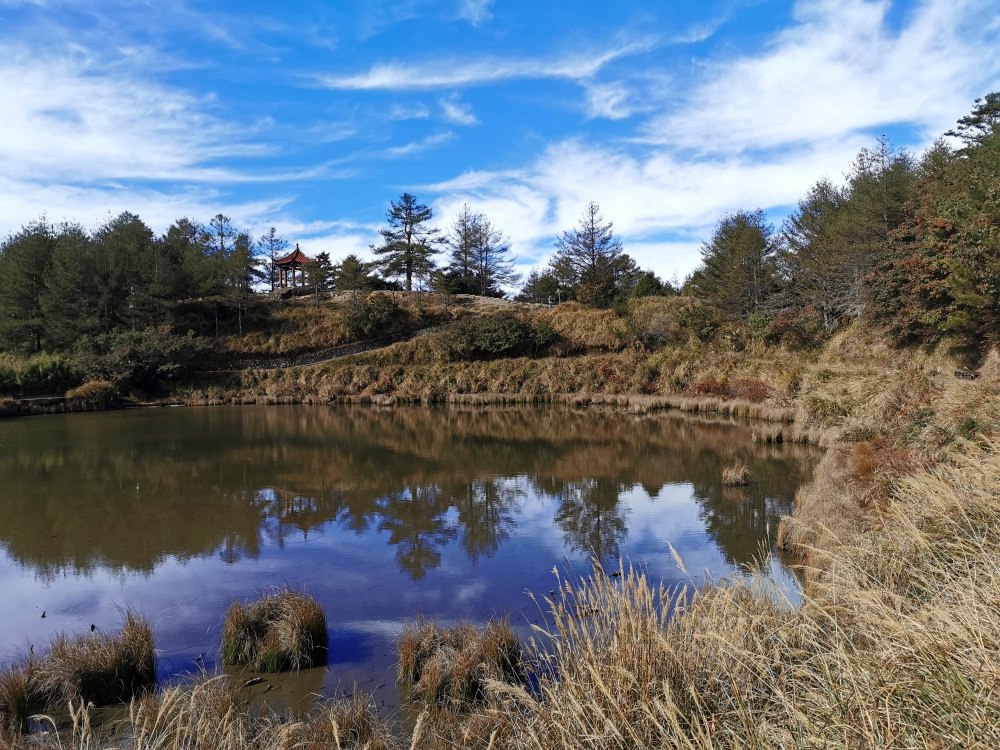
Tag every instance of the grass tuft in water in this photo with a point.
(281, 631)
(453, 666)
(100, 668)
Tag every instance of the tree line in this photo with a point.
(909, 243)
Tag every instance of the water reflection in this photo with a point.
(122, 492)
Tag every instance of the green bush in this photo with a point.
(494, 336)
(372, 315)
(36, 375)
(701, 319)
(139, 359)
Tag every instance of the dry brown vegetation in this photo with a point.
(452, 666)
(736, 475)
(283, 630)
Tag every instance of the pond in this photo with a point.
(382, 515)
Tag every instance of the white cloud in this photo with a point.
(475, 11)
(417, 111)
(609, 101)
(841, 68)
(415, 147)
(73, 116)
(451, 73)
(648, 195)
(456, 112)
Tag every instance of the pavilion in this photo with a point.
(287, 267)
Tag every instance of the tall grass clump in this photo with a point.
(209, 714)
(19, 695)
(100, 668)
(283, 630)
(736, 475)
(452, 666)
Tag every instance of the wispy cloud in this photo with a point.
(475, 11)
(416, 147)
(454, 73)
(456, 112)
(841, 67)
(417, 111)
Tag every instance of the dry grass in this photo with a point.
(283, 630)
(894, 648)
(100, 668)
(736, 475)
(208, 714)
(452, 666)
(19, 695)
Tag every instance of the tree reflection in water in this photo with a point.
(123, 492)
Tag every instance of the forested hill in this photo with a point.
(909, 243)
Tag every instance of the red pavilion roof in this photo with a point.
(296, 256)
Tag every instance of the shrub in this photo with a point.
(37, 374)
(495, 336)
(100, 668)
(93, 393)
(701, 320)
(371, 315)
(285, 630)
(797, 328)
(139, 359)
(451, 666)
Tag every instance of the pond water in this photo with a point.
(381, 514)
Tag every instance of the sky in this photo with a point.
(311, 116)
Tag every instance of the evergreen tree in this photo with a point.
(462, 237)
(587, 259)
(493, 266)
(24, 264)
(70, 300)
(272, 246)
(738, 272)
(812, 259)
(123, 261)
(353, 274)
(540, 288)
(408, 242)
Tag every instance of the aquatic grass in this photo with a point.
(19, 694)
(100, 668)
(452, 666)
(209, 713)
(736, 475)
(281, 631)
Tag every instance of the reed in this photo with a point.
(283, 630)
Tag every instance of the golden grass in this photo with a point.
(736, 475)
(283, 630)
(208, 714)
(452, 666)
(100, 668)
(19, 694)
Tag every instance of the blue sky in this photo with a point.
(312, 116)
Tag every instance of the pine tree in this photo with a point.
(272, 246)
(738, 272)
(587, 259)
(353, 274)
(70, 300)
(408, 242)
(24, 264)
